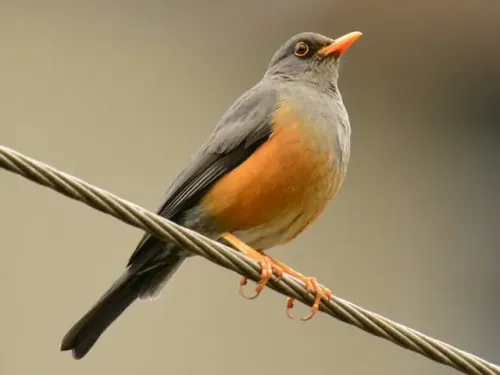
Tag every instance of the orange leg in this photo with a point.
(266, 264)
(269, 265)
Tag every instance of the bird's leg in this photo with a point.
(268, 265)
(311, 285)
(265, 262)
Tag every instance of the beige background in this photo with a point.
(121, 93)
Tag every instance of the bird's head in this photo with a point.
(310, 57)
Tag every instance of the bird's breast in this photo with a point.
(282, 188)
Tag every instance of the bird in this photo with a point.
(269, 168)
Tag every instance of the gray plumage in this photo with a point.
(153, 262)
(246, 125)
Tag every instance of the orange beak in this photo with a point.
(340, 45)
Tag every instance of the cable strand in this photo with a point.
(230, 259)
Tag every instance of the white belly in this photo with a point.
(273, 234)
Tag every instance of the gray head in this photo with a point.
(311, 57)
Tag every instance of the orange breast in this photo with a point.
(287, 175)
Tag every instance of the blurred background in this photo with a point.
(120, 94)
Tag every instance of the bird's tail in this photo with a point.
(130, 286)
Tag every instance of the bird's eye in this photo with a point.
(301, 49)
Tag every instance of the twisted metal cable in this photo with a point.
(230, 259)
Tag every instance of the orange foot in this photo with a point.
(265, 262)
(269, 265)
(311, 285)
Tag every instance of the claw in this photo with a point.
(267, 268)
(319, 291)
(289, 307)
(244, 282)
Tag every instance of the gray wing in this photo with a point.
(244, 127)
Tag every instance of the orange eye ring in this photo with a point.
(301, 49)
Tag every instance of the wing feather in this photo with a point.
(245, 126)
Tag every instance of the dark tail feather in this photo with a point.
(83, 335)
(140, 280)
(153, 286)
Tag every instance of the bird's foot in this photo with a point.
(266, 263)
(312, 285)
(319, 291)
